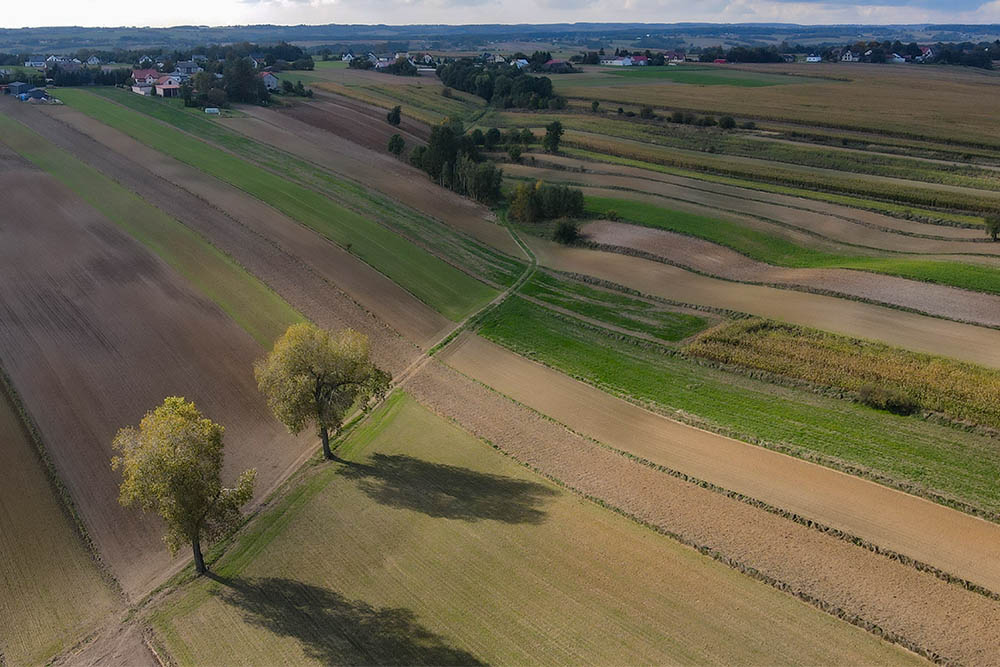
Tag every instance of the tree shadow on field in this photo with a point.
(335, 630)
(446, 491)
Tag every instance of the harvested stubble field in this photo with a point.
(717, 260)
(862, 586)
(51, 592)
(83, 370)
(447, 289)
(960, 391)
(324, 281)
(936, 461)
(449, 516)
(920, 97)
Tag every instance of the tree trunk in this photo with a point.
(324, 433)
(199, 561)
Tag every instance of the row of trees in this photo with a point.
(452, 159)
(171, 464)
(539, 201)
(504, 86)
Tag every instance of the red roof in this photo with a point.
(555, 62)
(635, 58)
(139, 74)
(720, 61)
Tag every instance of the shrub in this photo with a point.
(446, 92)
(993, 226)
(887, 398)
(395, 115)
(527, 136)
(748, 125)
(646, 113)
(566, 233)
(612, 215)
(492, 138)
(478, 138)
(727, 122)
(595, 105)
(677, 117)
(396, 144)
(514, 152)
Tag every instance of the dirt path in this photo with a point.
(95, 331)
(375, 170)
(710, 189)
(731, 208)
(837, 575)
(852, 318)
(247, 228)
(706, 257)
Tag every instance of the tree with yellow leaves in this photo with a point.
(172, 465)
(315, 377)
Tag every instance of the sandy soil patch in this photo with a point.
(852, 318)
(707, 257)
(941, 617)
(274, 247)
(94, 331)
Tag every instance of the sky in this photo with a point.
(241, 12)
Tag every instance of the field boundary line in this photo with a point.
(822, 605)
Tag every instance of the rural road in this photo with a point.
(957, 543)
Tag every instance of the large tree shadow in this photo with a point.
(441, 490)
(335, 630)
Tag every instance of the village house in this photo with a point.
(814, 58)
(521, 63)
(640, 61)
(187, 68)
(926, 53)
(347, 57)
(167, 86)
(38, 62)
(257, 60)
(617, 62)
(93, 61)
(850, 57)
(270, 81)
(18, 87)
(673, 56)
(145, 76)
(895, 58)
(145, 60)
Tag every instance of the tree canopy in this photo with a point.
(172, 465)
(314, 376)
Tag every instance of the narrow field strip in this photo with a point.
(252, 304)
(932, 460)
(481, 561)
(450, 291)
(51, 592)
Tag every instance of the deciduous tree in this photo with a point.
(396, 144)
(172, 465)
(313, 376)
(993, 225)
(395, 115)
(553, 135)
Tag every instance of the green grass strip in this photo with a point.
(247, 300)
(443, 287)
(914, 452)
(782, 252)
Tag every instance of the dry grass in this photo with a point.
(959, 390)
(432, 548)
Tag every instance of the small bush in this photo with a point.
(446, 92)
(630, 114)
(646, 113)
(612, 215)
(514, 152)
(887, 398)
(727, 122)
(566, 233)
(748, 125)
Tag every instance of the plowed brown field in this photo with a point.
(94, 331)
(706, 257)
(942, 618)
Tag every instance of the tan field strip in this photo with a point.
(715, 193)
(51, 593)
(954, 542)
(94, 331)
(707, 257)
(387, 300)
(854, 583)
(727, 207)
(853, 318)
(374, 169)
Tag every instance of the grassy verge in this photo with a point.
(614, 308)
(261, 312)
(447, 552)
(879, 206)
(782, 252)
(450, 291)
(937, 461)
(958, 390)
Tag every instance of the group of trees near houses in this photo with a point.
(452, 159)
(742, 54)
(239, 83)
(171, 464)
(504, 86)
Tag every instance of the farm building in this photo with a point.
(37, 93)
(270, 81)
(640, 61)
(617, 62)
(813, 58)
(18, 87)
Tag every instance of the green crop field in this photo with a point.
(430, 547)
(935, 460)
(445, 288)
(613, 308)
(782, 252)
(247, 300)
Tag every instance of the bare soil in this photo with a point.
(840, 577)
(706, 257)
(912, 331)
(360, 123)
(313, 274)
(95, 331)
